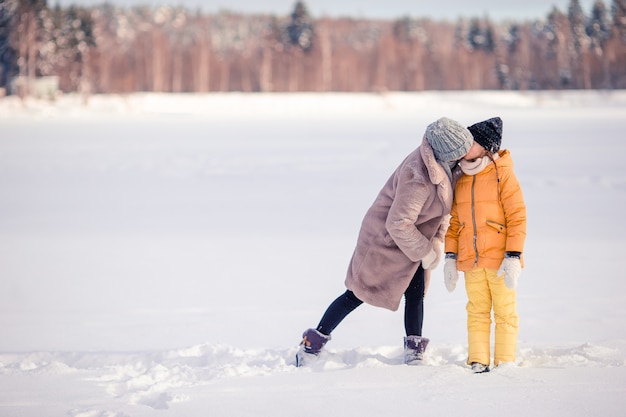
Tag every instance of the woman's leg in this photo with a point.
(337, 311)
(414, 304)
(313, 340)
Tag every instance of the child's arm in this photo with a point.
(514, 213)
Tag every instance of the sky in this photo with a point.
(443, 9)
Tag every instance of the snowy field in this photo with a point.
(160, 255)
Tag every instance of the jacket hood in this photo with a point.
(505, 159)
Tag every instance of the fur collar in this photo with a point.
(436, 173)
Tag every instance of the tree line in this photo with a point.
(108, 49)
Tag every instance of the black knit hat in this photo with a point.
(488, 133)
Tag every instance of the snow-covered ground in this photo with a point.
(160, 255)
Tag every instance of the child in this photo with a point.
(485, 240)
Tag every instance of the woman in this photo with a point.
(401, 237)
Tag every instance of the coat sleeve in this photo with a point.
(443, 228)
(410, 196)
(514, 212)
(452, 234)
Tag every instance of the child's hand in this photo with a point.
(450, 274)
(511, 268)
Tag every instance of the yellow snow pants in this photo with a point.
(485, 289)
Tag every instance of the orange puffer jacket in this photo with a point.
(487, 220)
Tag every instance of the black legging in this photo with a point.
(347, 302)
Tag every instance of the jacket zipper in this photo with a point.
(474, 223)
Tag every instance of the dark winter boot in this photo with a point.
(313, 341)
(311, 345)
(479, 368)
(414, 347)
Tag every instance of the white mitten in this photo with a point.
(450, 274)
(511, 268)
(429, 260)
(438, 248)
(432, 258)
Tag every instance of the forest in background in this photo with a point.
(108, 49)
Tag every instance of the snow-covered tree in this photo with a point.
(8, 55)
(618, 12)
(598, 27)
(576, 18)
(300, 30)
(480, 35)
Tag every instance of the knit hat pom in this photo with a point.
(449, 139)
(488, 133)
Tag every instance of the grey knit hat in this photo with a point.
(449, 139)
